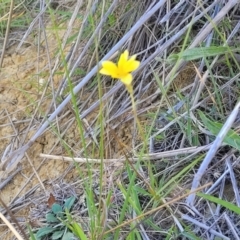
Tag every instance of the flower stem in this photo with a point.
(130, 90)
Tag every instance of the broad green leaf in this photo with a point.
(44, 231)
(223, 203)
(57, 234)
(56, 208)
(231, 138)
(51, 218)
(69, 202)
(68, 236)
(200, 52)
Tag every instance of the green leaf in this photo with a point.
(172, 58)
(78, 231)
(231, 138)
(51, 218)
(141, 191)
(32, 236)
(201, 52)
(57, 234)
(111, 19)
(69, 202)
(44, 231)
(190, 236)
(56, 208)
(223, 203)
(68, 236)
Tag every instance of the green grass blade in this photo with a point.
(182, 173)
(32, 236)
(232, 138)
(223, 203)
(78, 231)
(201, 52)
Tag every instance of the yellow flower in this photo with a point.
(122, 70)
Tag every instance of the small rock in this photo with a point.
(41, 81)
(14, 119)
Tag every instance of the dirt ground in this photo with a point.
(23, 79)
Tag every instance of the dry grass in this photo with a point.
(129, 185)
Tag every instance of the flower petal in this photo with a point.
(132, 65)
(109, 68)
(122, 60)
(127, 79)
